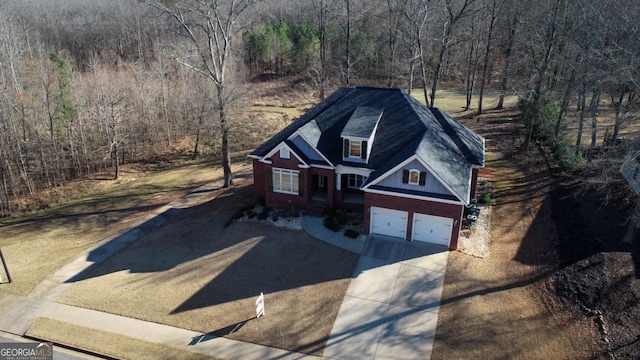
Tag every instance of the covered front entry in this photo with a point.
(432, 229)
(389, 222)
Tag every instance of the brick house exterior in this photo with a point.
(410, 169)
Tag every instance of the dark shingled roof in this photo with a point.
(406, 128)
(362, 122)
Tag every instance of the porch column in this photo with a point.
(331, 185)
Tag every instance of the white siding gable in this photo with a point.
(432, 185)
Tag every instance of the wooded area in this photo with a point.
(88, 84)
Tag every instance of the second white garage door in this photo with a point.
(388, 222)
(432, 229)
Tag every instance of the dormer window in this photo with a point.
(354, 149)
(414, 177)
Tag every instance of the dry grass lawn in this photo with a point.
(197, 274)
(503, 306)
(106, 343)
(453, 101)
(34, 246)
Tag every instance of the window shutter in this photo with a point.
(363, 151)
(405, 176)
(345, 148)
(423, 178)
(300, 184)
(270, 179)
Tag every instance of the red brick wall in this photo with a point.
(451, 211)
(280, 200)
(259, 178)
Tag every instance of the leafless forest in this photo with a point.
(88, 84)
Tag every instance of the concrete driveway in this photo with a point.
(391, 307)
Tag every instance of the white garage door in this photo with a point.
(388, 222)
(432, 229)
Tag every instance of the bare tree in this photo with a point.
(541, 50)
(416, 13)
(210, 26)
(495, 8)
(321, 8)
(453, 16)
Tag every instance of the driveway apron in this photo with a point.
(391, 307)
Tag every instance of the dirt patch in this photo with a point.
(604, 286)
(197, 273)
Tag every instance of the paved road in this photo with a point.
(58, 353)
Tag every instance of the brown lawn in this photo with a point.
(197, 274)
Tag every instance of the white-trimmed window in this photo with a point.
(355, 149)
(286, 181)
(414, 177)
(355, 181)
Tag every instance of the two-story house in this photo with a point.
(411, 169)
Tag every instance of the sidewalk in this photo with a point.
(143, 330)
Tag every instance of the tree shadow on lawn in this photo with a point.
(206, 275)
(159, 245)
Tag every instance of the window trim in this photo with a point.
(358, 144)
(417, 175)
(351, 146)
(355, 178)
(294, 181)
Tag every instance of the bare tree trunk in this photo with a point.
(195, 148)
(322, 32)
(224, 128)
(507, 63)
(347, 61)
(582, 101)
(423, 73)
(454, 16)
(549, 44)
(619, 107)
(487, 52)
(565, 103)
(595, 99)
(472, 67)
(411, 70)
